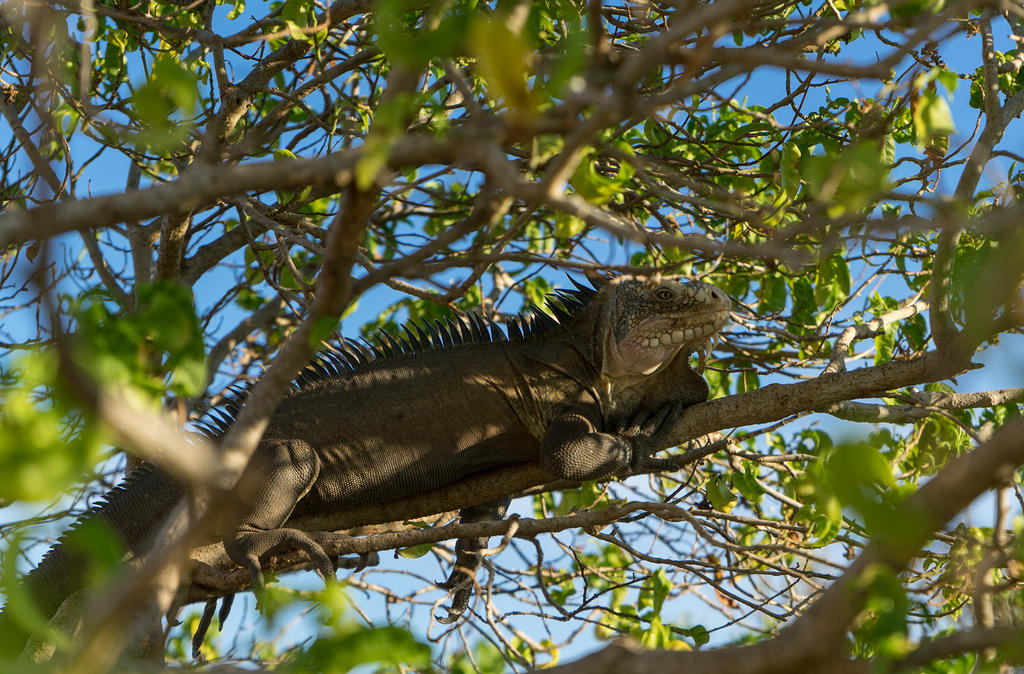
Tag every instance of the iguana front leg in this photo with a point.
(467, 557)
(574, 449)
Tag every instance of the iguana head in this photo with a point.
(648, 322)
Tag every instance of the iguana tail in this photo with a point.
(131, 512)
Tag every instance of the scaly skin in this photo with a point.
(587, 396)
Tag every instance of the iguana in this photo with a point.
(588, 393)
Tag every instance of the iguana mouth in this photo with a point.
(682, 335)
(700, 325)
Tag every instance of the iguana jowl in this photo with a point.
(588, 394)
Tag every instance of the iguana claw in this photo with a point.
(448, 619)
(460, 602)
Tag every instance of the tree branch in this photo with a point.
(814, 642)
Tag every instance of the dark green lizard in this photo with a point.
(587, 394)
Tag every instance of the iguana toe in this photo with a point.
(460, 602)
(207, 618)
(203, 626)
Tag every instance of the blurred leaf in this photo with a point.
(504, 59)
(405, 38)
(885, 624)
(45, 442)
(848, 181)
(698, 633)
(486, 659)
(654, 591)
(324, 328)
(361, 645)
(568, 226)
(21, 607)
(165, 102)
(932, 118)
(772, 295)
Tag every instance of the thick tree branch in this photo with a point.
(202, 186)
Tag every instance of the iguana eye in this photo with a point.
(664, 294)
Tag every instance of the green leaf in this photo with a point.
(165, 102)
(933, 120)
(886, 605)
(655, 133)
(698, 633)
(655, 589)
(372, 160)
(655, 634)
(804, 304)
(888, 151)
(595, 187)
(849, 181)
(747, 379)
(407, 36)
(719, 493)
(772, 294)
(860, 477)
(832, 281)
(21, 607)
(363, 645)
(415, 551)
(747, 483)
(562, 591)
(297, 16)
(487, 659)
(825, 526)
(790, 170)
(189, 376)
(237, 7)
(323, 329)
(884, 345)
(504, 61)
(586, 496)
(568, 226)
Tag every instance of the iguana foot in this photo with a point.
(453, 614)
(460, 598)
(650, 434)
(468, 560)
(249, 544)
